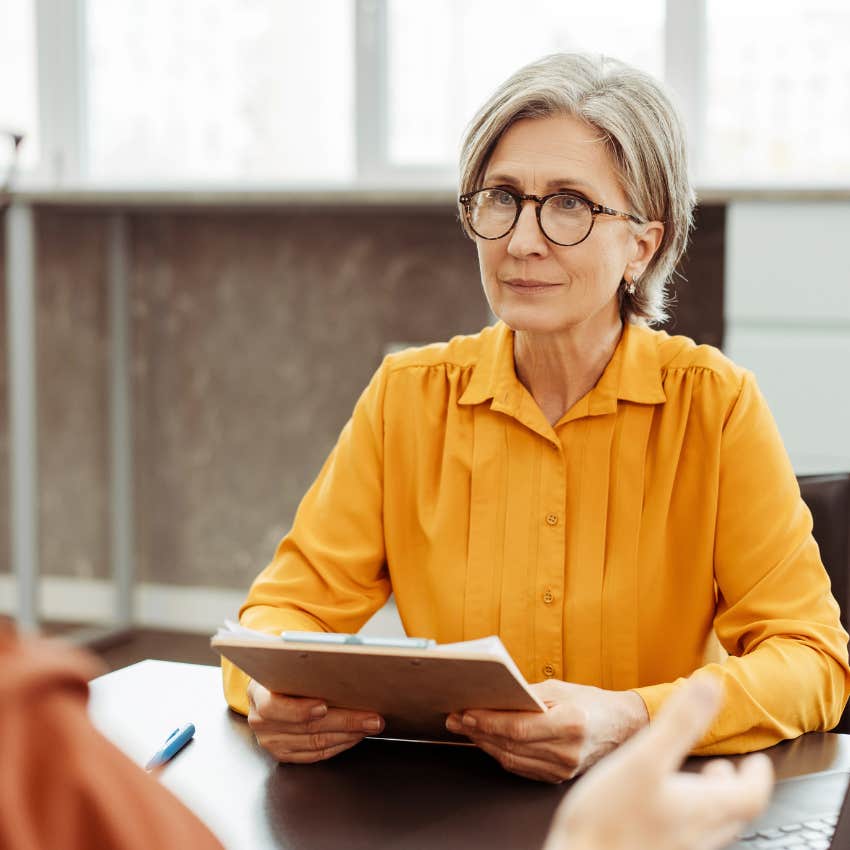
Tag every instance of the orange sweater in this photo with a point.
(604, 550)
(62, 785)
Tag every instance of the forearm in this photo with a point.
(779, 691)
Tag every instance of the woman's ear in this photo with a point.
(647, 243)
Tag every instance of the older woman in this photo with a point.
(601, 495)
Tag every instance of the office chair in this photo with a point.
(828, 498)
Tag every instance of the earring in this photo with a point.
(630, 287)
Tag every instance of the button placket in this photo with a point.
(548, 619)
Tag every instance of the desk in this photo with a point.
(380, 794)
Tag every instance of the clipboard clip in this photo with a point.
(340, 639)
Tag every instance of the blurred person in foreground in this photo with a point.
(64, 787)
(603, 496)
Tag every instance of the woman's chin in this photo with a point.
(536, 319)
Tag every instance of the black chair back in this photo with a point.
(828, 498)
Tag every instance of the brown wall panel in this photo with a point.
(698, 308)
(72, 368)
(71, 396)
(252, 336)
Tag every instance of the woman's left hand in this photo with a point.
(581, 725)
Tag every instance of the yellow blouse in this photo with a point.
(603, 550)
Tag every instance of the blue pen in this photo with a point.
(173, 744)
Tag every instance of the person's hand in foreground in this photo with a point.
(303, 730)
(582, 724)
(636, 798)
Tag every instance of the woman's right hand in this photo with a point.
(301, 730)
(636, 797)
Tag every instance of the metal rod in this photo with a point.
(23, 410)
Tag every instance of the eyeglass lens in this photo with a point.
(565, 219)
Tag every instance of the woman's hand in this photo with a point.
(581, 725)
(303, 730)
(636, 798)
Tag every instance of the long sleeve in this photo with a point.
(787, 670)
(328, 573)
(62, 784)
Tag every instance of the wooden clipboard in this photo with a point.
(412, 689)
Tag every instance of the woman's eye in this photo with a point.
(566, 202)
(503, 199)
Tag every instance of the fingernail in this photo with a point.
(318, 711)
(373, 724)
(469, 720)
(453, 724)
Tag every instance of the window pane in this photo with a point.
(446, 57)
(220, 90)
(18, 81)
(778, 87)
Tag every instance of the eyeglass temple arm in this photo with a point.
(599, 209)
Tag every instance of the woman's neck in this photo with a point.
(560, 368)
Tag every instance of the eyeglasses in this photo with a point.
(564, 218)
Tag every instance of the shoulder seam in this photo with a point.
(734, 403)
(692, 367)
(400, 367)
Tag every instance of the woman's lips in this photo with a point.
(522, 285)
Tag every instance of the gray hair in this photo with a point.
(643, 131)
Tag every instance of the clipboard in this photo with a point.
(413, 689)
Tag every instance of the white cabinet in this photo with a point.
(788, 319)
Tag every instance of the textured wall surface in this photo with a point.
(253, 335)
(72, 395)
(71, 355)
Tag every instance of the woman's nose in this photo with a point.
(527, 238)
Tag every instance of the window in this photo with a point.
(18, 72)
(778, 92)
(446, 57)
(265, 92)
(219, 90)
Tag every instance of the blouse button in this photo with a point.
(548, 671)
(551, 519)
(548, 596)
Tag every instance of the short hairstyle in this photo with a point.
(643, 131)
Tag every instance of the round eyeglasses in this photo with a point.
(565, 218)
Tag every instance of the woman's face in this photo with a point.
(534, 285)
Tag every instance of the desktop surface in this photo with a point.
(380, 794)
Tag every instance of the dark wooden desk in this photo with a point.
(381, 794)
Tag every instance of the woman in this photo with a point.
(601, 495)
